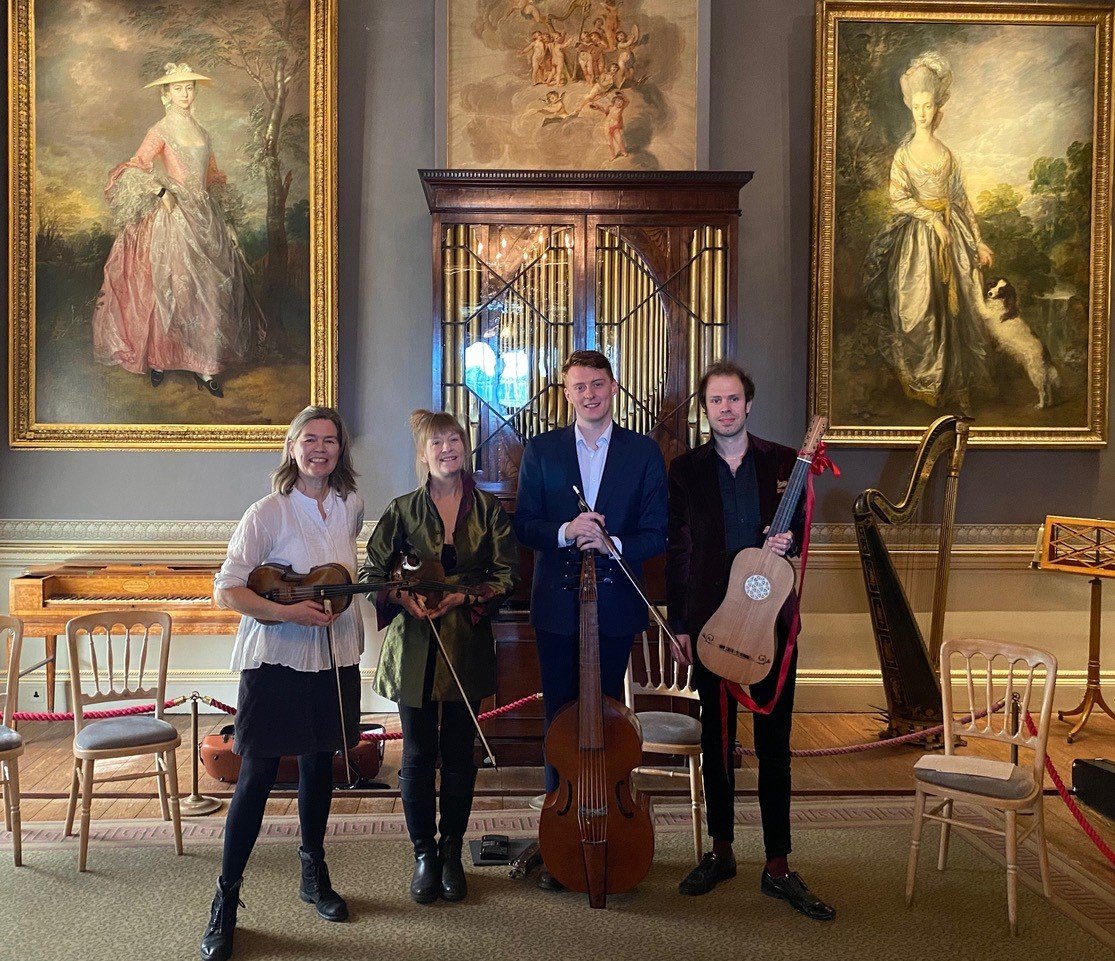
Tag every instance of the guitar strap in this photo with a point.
(821, 463)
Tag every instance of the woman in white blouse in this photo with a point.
(287, 703)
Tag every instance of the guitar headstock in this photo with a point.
(813, 436)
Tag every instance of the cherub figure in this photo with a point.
(537, 51)
(553, 108)
(605, 82)
(560, 71)
(626, 58)
(587, 57)
(610, 16)
(527, 8)
(613, 123)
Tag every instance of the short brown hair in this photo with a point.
(587, 358)
(725, 368)
(423, 425)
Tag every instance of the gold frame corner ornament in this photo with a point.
(829, 15)
(24, 429)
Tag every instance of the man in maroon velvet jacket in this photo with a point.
(722, 499)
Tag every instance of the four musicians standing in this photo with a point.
(721, 499)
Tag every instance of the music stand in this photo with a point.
(1081, 545)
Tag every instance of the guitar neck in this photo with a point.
(798, 477)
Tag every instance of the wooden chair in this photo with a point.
(11, 741)
(668, 732)
(115, 647)
(991, 671)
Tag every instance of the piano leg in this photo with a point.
(50, 643)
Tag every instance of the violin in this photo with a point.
(283, 585)
(595, 831)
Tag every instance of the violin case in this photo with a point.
(223, 764)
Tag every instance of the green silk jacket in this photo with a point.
(486, 558)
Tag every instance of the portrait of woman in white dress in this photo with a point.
(925, 268)
(176, 294)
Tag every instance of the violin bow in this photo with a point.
(613, 551)
(456, 678)
(327, 603)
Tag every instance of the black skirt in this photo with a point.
(282, 711)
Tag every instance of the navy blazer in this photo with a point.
(632, 499)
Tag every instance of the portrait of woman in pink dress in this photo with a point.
(176, 294)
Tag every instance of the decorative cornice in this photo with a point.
(37, 541)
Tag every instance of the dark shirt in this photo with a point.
(743, 525)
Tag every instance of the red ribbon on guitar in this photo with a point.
(821, 463)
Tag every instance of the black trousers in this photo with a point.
(772, 747)
(560, 665)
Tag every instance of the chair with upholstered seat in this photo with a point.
(117, 650)
(990, 672)
(668, 732)
(11, 741)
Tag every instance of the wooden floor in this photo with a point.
(45, 776)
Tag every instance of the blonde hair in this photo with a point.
(343, 478)
(424, 424)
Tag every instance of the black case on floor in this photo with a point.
(1094, 783)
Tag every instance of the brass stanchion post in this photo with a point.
(196, 804)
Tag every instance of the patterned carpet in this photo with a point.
(140, 901)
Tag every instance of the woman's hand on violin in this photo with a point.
(448, 603)
(780, 543)
(682, 649)
(413, 604)
(308, 614)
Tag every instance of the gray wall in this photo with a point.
(761, 120)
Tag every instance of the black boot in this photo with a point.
(419, 803)
(315, 887)
(216, 943)
(456, 806)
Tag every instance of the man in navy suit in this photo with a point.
(623, 478)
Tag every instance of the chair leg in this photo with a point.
(11, 795)
(1043, 850)
(86, 805)
(1012, 871)
(943, 852)
(175, 810)
(695, 803)
(72, 809)
(7, 795)
(160, 784)
(915, 843)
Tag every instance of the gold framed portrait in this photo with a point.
(961, 221)
(172, 242)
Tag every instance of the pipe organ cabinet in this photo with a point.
(529, 266)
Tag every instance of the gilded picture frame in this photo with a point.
(961, 221)
(180, 294)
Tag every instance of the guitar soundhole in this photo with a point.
(757, 587)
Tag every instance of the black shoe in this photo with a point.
(216, 943)
(792, 888)
(547, 882)
(454, 886)
(315, 888)
(209, 384)
(425, 883)
(708, 874)
(157, 377)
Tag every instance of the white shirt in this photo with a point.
(289, 529)
(591, 465)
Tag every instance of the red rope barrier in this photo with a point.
(874, 745)
(1070, 801)
(95, 715)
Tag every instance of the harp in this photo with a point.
(909, 665)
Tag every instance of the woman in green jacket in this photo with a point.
(447, 519)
